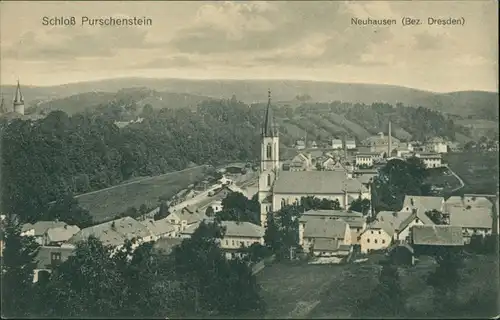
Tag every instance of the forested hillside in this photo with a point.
(43, 161)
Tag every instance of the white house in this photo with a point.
(436, 145)
(431, 160)
(391, 227)
(181, 219)
(350, 144)
(216, 206)
(376, 236)
(366, 158)
(337, 144)
(300, 145)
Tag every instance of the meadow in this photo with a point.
(478, 170)
(107, 203)
(305, 291)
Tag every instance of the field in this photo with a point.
(107, 203)
(479, 171)
(321, 292)
(441, 177)
(480, 127)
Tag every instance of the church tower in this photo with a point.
(19, 100)
(269, 162)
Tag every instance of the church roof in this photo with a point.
(269, 129)
(316, 182)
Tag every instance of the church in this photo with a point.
(278, 187)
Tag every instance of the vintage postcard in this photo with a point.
(249, 159)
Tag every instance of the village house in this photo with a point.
(114, 233)
(301, 162)
(430, 160)
(436, 145)
(216, 206)
(39, 229)
(184, 218)
(48, 258)
(314, 145)
(423, 203)
(474, 220)
(58, 236)
(431, 240)
(331, 164)
(380, 143)
(160, 228)
(300, 145)
(350, 144)
(337, 144)
(355, 220)
(237, 235)
(376, 236)
(472, 200)
(391, 227)
(323, 237)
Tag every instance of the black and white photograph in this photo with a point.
(249, 160)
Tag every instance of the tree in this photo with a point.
(445, 278)
(220, 286)
(68, 210)
(388, 297)
(162, 212)
(436, 216)
(237, 207)
(209, 212)
(361, 205)
(18, 265)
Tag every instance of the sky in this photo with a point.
(254, 40)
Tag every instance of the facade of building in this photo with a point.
(431, 160)
(317, 234)
(337, 144)
(375, 237)
(436, 145)
(350, 144)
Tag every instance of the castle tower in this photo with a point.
(269, 162)
(19, 100)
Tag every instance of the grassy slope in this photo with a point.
(338, 288)
(479, 171)
(107, 203)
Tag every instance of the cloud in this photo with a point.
(296, 33)
(60, 43)
(427, 41)
(168, 62)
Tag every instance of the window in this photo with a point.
(242, 243)
(379, 232)
(269, 151)
(55, 257)
(232, 242)
(368, 240)
(383, 241)
(268, 180)
(376, 241)
(227, 242)
(371, 231)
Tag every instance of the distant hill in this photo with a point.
(475, 104)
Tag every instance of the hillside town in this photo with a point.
(249, 160)
(344, 173)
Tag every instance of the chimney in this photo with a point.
(390, 141)
(344, 144)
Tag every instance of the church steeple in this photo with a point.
(269, 129)
(19, 100)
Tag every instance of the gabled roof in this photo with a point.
(159, 227)
(234, 229)
(393, 222)
(469, 200)
(325, 228)
(423, 203)
(113, 232)
(41, 227)
(441, 235)
(475, 217)
(316, 182)
(60, 234)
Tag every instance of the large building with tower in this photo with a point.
(278, 188)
